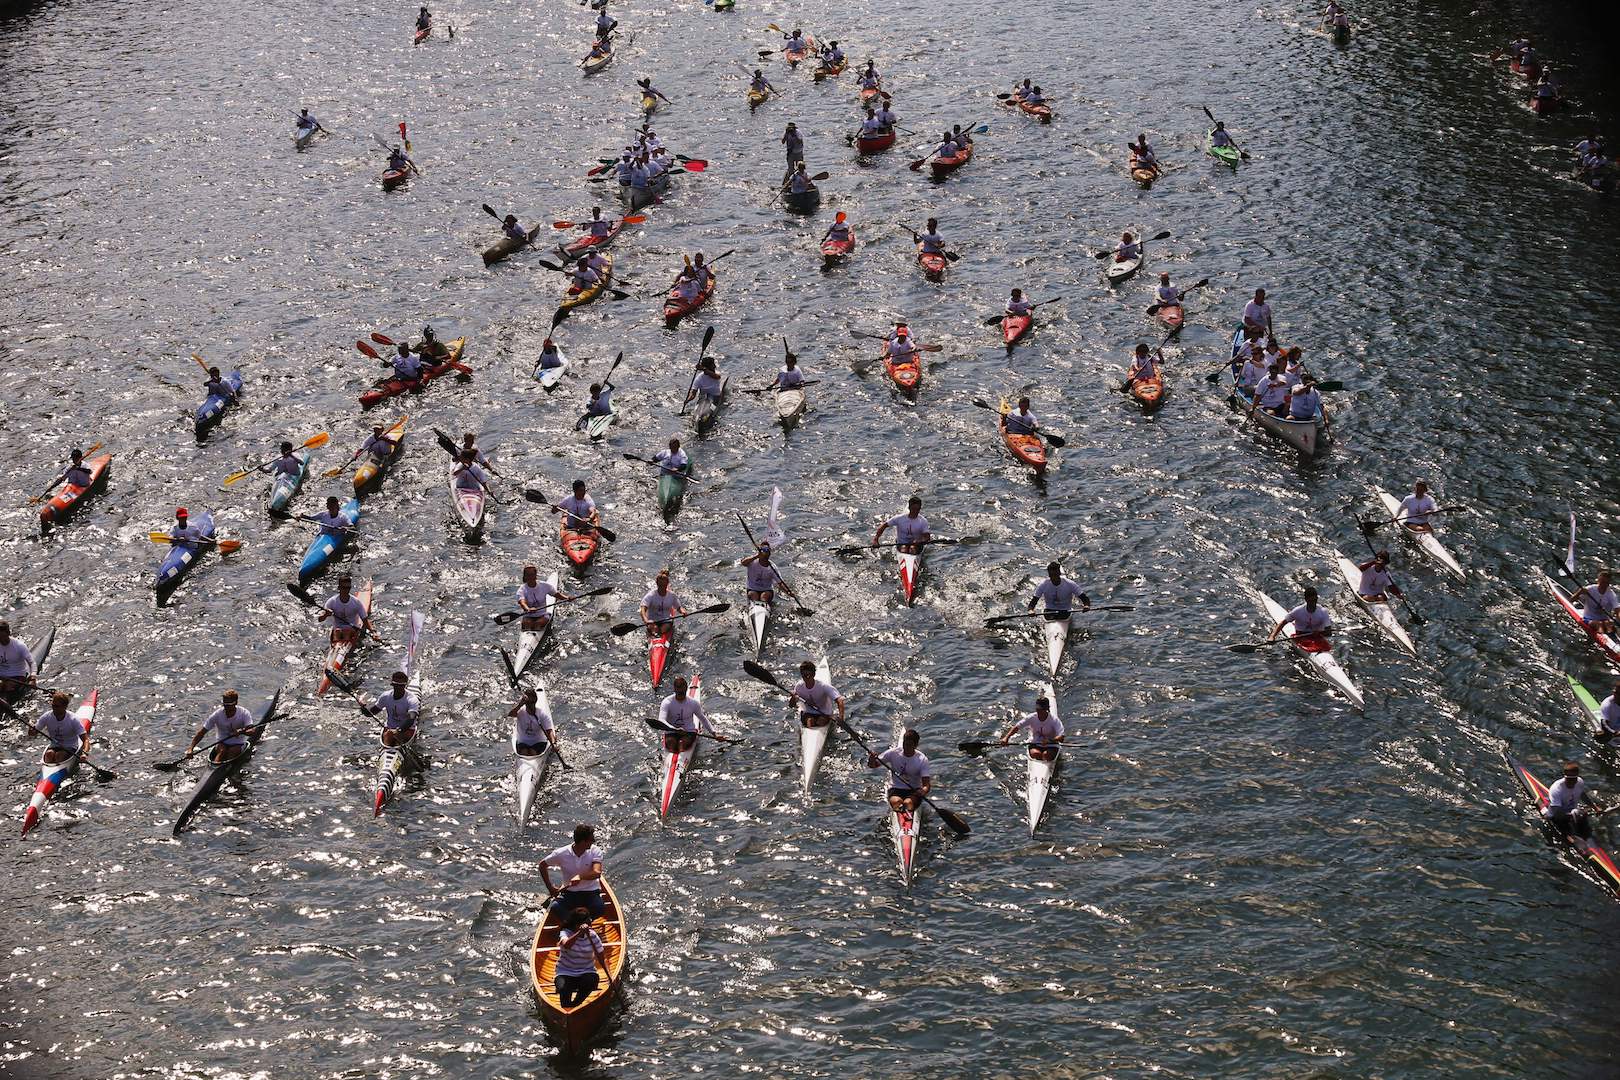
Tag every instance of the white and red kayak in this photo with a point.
(910, 571)
(905, 828)
(470, 505)
(337, 653)
(658, 650)
(1607, 642)
(1322, 659)
(672, 766)
(52, 775)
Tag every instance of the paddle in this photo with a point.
(507, 657)
(1161, 236)
(1002, 620)
(226, 547)
(1241, 152)
(768, 389)
(955, 822)
(352, 529)
(371, 712)
(172, 766)
(621, 629)
(658, 725)
(930, 347)
(630, 219)
(708, 336)
(661, 466)
(1153, 309)
(36, 499)
(536, 496)
(1417, 619)
(975, 747)
(512, 616)
(917, 165)
(1053, 439)
(301, 594)
(861, 549)
(200, 363)
(1281, 639)
(950, 256)
(1368, 527)
(801, 610)
(310, 443)
(996, 320)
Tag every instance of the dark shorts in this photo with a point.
(573, 989)
(905, 793)
(590, 900)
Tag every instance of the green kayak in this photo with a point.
(1228, 154)
(671, 487)
(1589, 705)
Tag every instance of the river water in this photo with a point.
(1238, 875)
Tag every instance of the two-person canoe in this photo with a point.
(575, 1027)
(945, 164)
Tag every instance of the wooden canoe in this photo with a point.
(576, 1027)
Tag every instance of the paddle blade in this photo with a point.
(695, 165)
(974, 747)
(166, 766)
(713, 609)
(762, 673)
(1243, 647)
(383, 339)
(953, 821)
(315, 442)
(367, 349)
(621, 629)
(301, 594)
(536, 496)
(234, 477)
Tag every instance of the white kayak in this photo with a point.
(1426, 539)
(756, 617)
(1116, 271)
(672, 766)
(813, 740)
(550, 377)
(1380, 610)
(1325, 663)
(1056, 632)
(790, 405)
(708, 408)
(910, 571)
(905, 829)
(469, 505)
(1038, 785)
(529, 641)
(531, 769)
(597, 426)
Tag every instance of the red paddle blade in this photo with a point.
(383, 339)
(695, 165)
(367, 349)
(402, 134)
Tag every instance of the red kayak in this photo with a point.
(676, 309)
(392, 178)
(1042, 112)
(69, 496)
(874, 144)
(1014, 327)
(394, 387)
(658, 654)
(833, 250)
(422, 35)
(585, 243)
(944, 165)
(1171, 315)
(578, 546)
(933, 263)
(906, 374)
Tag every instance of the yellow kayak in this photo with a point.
(577, 296)
(371, 470)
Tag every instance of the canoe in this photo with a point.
(756, 98)
(1592, 857)
(1306, 436)
(874, 144)
(1172, 315)
(945, 164)
(1142, 174)
(592, 64)
(833, 250)
(586, 242)
(1226, 154)
(637, 197)
(11, 693)
(905, 374)
(658, 649)
(393, 178)
(868, 96)
(338, 652)
(286, 485)
(393, 387)
(529, 770)
(1028, 449)
(672, 488)
(1014, 327)
(1609, 643)
(813, 739)
(323, 548)
(53, 775)
(576, 1026)
(756, 619)
(708, 408)
(672, 766)
(577, 297)
(1148, 393)
(1056, 632)
(826, 71)
(597, 426)
(578, 546)
(60, 506)
(933, 263)
(529, 641)
(212, 410)
(1323, 662)
(505, 246)
(1381, 611)
(802, 202)
(1041, 112)
(470, 506)
(1426, 540)
(179, 560)
(676, 309)
(371, 471)
(393, 762)
(221, 771)
(790, 406)
(548, 378)
(1040, 774)
(905, 829)
(1117, 270)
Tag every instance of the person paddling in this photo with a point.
(234, 724)
(332, 522)
(216, 386)
(601, 403)
(648, 90)
(399, 161)
(1127, 249)
(1057, 595)
(911, 529)
(659, 606)
(184, 532)
(685, 714)
(1045, 731)
(839, 230)
(580, 865)
(1312, 625)
(1143, 152)
(533, 729)
(790, 377)
(347, 613)
(761, 575)
(1598, 604)
(1220, 136)
(709, 384)
(399, 709)
(798, 181)
(379, 446)
(534, 598)
(674, 459)
(513, 229)
(307, 124)
(550, 358)
(760, 84)
(794, 143)
(1017, 305)
(1144, 365)
(16, 662)
(1569, 803)
(910, 776)
(1020, 421)
(1257, 313)
(64, 729)
(288, 464)
(1609, 715)
(430, 348)
(579, 511)
(605, 23)
(1376, 586)
(931, 242)
(466, 475)
(816, 700)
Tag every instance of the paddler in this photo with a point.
(431, 348)
(184, 532)
(947, 146)
(1145, 157)
(911, 529)
(579, 950)
(399, 709)
(16, 661)
(332, 522)
(1035, 97)
(347, 613)
(647, 89)
(1021, 421)
(1257, 313)
(1017, 305)
(424, 19)
(534, 597)
(911, 779)
(1569, 803)
(1598, 604)
(870, 79)
(885, 115)
(839, 230)
(601, 403)
(799, 182)
(78, 474)
(1376, 586)
(1304, 400)
(1416, 508)
(599, 48)
(962, 139)
(1312, 624)
(234, 724)
(64, 729)
(407, 367)
(762, 576)
(1546, 89)
(532, 726)
(549, 357)
(872, 127)
(307, 123)
(931, 242)
(380, 446)
(790, 377)
(586, 276)
(605, 23)
(832, 56)
(796, 42)
(1021, 91)
(660, 606)
(580, 865)
(1271, 393)
(1045, 731)
(398, 161)
(760, 84)
(1127, 249)
(1143, 365)
(1609, 716)
(288, 464)
(597, 227)
(466, 474)
(512, 229)
(674, 459)
(1057, 595)
(816, 699)
(709, 383)
(1220, 136)
(794, 142)
(579, 511)
(684, 714)
(216, 386)
(902, 349)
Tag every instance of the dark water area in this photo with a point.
(1238, 875)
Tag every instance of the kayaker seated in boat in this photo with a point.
(533, 730)
(794, 142)
(1035, 96)
(512, 230)
(1143, 153)
(761, 575)
(601, 403)
(1219, 135)
(1312, 625)
(397, 160)
(931, 242)
(760, 84)
(605, 23)
(64, 729)
(580, 866)
(586, 276)
(1167, 293)
(872, 126)
(687, 290)
(1527, 56)
(647, 88)
(1546, 89)
(1045, 731)
(674, 459)
(625, 169)
(885, 115)
(331, 521)
(902, 349)
(1598, 604)
(16, 660)
(947, 146)
(407, 365)
(1416, 509)
(78, 474)
(399, 709)
(579, 950)
(1271, 393)
(216, 386)
(306, 122)
(579, 511)
(1143, 365)
(1340, 20)
(347, 613)
(686, 715)
(424, 19)
(796, 42)
(1021, 421)
(1609, 716)
(1127, 249)
(466, 475)
(1304, 400)
(599, 48)
(832, 56)
(790, 377)
(379, 445)
(911, 530)
(816, 700)
(709, 383)
(839, 230)
(469, 442)
(184, 532)
(288, 464)
(1057, 595)
(1569, 803)
(549, 356)
(234, 725)
(909, 777)
(533, 596)
(598, 227)
(430, 348)
(1376, 586)
(870, 79)
(659, 606)
(799, 181)
(1592, 144)
(698, 270)
(596, 261)
(1021, 91)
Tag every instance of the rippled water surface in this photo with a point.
(1238, 875)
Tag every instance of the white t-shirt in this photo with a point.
(660, 607)
(1565, 795)
(1609, 713)
(232, 729)
(1306, 621)
(1046, 731)
(65, 733)
(908, 772)
(350, 613)
(1259, 314)
(1057, 596)
(570, 864)
(1597, 605)
(16, 661)
(400, 711)
(1374, 582)
(684, 714)
(909, 530)
(819, 698)
(761, 577)
(535, 596)
(1416, 511)
(532, 727)
(579, 511)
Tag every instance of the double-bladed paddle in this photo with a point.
(621, 629)
(950, 256)
(1165, 235)
(512, 616)
(534, 495)
(860, 549)
(1003, 620)
(669, 729)
(226, 547)
(1153, 309)
(661, 467)
(1242, 153)
(801, 609)
(996, 320)
(310, 443)
(708, 336)
(171, 766)
(1051, 437)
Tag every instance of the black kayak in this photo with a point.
(221, 771)
(12, 693)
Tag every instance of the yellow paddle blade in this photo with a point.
(158, 537)
(234, 477)
(332, 474)
(317, 441)
(200, 362)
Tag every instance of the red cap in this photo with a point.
(180, 512)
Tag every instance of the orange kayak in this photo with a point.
(1026, 448)
(68, 496)
(1149, 393)
(906, 374)
(578, 546)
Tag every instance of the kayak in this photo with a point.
(813, 739)
(1426, 540)
(593, 64)
(60, 506)
(576, 1025)
(548, 378)
(672, 488)
(910, 571)
(1530, 72)
(529, 770)
(54, 774)
(469, 505)
(1609, 643)
(1014, 327)
(578, 546)
(708, 408)
(830, 71)
(221, 771)
(302, 137)
(724, 5)
(1117, 270)
(1038, 779)
(212, 410)
(945, 164)
(1594, 859)
(802, 202)
(338, 652)
(637, 197)
(179, 560)
(322, 549)
(393, 386)
(933, 263)
(1028, 449)
(286, 485)
(1341, 35)
(586, 242)
(834, 250)
(529, 641)
(1382, 612)
(422, 35)
(506, 245)
(659, 646)
(11, 693)
(1303, 435)
(393, 178)
(905, 829)
(1149, 393)
(906, 374)
(395, 761)
(1172, 315)
(756, 98)
(371, 471)
(874, 144)
(1041, 112)
(1544, 105)
(576, 297)
(1056, 632)
(676, 309)
(1321, 655)
(597, 426)
(1143, 174)
(795, 57)
(790, 406)
(867, 95)
(672, 765)
(1591, 708)
(1227, 154)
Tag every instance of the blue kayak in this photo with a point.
(179, 560)
(284, 487)
(213, 406)
(323, 547)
